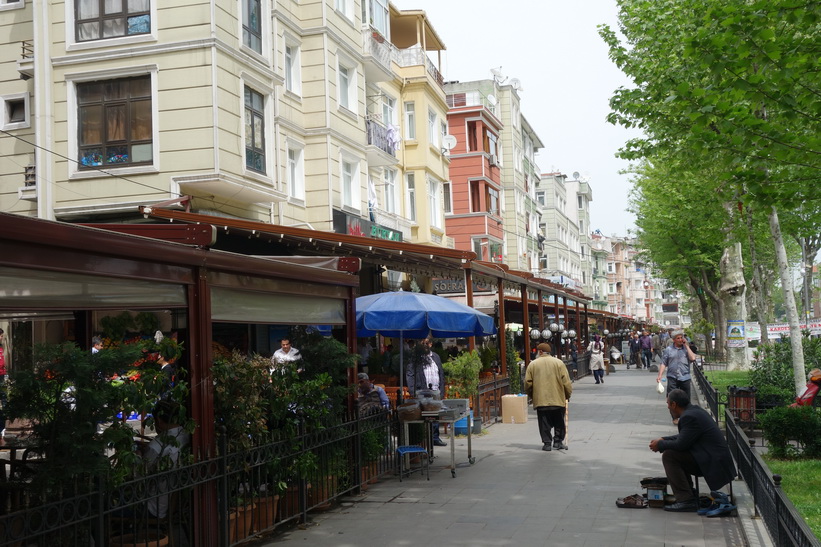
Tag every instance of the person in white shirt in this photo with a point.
(284, 355)
(163, 453)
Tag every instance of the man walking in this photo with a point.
(699, 449)
(548, 384)
(646, 348)
(635, 350)
(676, 363)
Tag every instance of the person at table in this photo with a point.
(698, 449)
(163, 452)
(371, 398)
(426, 372)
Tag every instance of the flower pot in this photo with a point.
(370, 474)
(289, 503)
(142, 539)
(240, 520)
(323, 492)
(265, 513)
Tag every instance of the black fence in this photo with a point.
(784, 523)
(233, 497)
(708, 392)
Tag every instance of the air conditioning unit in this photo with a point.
(493, 160)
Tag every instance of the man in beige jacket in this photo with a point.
(548, 384)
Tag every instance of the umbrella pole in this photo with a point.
(399, 397)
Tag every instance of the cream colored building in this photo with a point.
(257, 109)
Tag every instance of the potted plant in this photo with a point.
(462, 374)
(373, 443)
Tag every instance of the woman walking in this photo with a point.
(596, 349)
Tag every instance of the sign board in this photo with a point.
(735, 334)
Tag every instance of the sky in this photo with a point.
(567, 79)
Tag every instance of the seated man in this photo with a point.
(163, 453)
(371, 398)
(698, 449)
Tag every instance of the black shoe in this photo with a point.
(597, 382)
(439, 442)
(546, 447)
(690, 506)
(560, 446)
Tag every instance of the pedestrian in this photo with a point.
(574, 362)
(426, 372)
(675, 363)
(656, 346)
(635, 350)
(96, 344)
(285, 355)
(698, 449)
(596, 350)
(547, 383)
(646, 342)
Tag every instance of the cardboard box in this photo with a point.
(514, 409)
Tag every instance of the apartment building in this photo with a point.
(581, 194)
(326, 114)
(600, 250)
(474, 212)
(560, 260)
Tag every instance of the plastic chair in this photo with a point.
(402, 451)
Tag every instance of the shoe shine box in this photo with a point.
(655, 495)
(514, 409)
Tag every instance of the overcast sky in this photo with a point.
(553, 48)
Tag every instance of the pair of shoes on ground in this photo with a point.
(689, 506)
(439, 442)
(547, 447)
(636, 501)
(720, 505)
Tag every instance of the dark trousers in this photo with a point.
(683, 385)
(598, 375)
(647, 357)
(551, 418)
(679, 467)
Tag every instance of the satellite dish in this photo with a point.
(575, 175)
(492, 100)
(516, 84)
(496, 72)
(448, 142)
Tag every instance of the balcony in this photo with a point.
(415, 56)
(381, 150)
(25, 64)
(377, 56)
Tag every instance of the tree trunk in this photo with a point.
(706, 311)
(757, 288)
(809, 249)
(789, 303)
(732, 292)
(719, 317)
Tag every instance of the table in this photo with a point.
(429, 417)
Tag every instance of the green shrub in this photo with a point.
(783, 425)
(772, 365)
(462, 373)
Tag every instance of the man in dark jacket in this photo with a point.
(426, 372)
(698, 449)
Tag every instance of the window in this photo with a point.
(347, 87)
(15, 111)
(254, 130)
(345, 7)
(410, 181)
(379, 16)
(252, 24)
(388, 110)
(540, 198)
(434, 203)
(349, 175)
(581, 202)
(390, 191)
(114, 120)
(410, 121)
(478, 249)
(443, 131)
(611, 267)
(99, 19)
(496, 252)
(293, 75)
(295, 175)
(492, 201)
(448, 200)
(431, 127)
(12, 4)
(581, 227)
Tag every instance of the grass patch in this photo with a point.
(722, 379)
(801, 482)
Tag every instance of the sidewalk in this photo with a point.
(516, 494)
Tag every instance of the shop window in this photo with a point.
(115, 124)
(101, 19)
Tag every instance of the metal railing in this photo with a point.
(231, 497)
(783, 521)
(487, 404)
(708, 392)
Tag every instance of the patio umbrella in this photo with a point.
(416, 315)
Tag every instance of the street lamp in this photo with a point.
(534, 334)
(546, 334)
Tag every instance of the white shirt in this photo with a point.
(164, 445)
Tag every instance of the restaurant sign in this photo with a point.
(356, 226)
(457, 286)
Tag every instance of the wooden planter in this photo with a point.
(142, 539)
(289, 503)
(370, 474)
(323, 492)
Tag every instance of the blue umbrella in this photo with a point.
(416, 315)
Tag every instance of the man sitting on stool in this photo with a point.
(698, 449)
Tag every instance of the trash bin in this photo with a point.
(741, 402)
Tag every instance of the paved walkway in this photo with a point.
(516, 494)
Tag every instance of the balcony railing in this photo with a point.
(378, 135)
(28, 49)
(415, 56)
